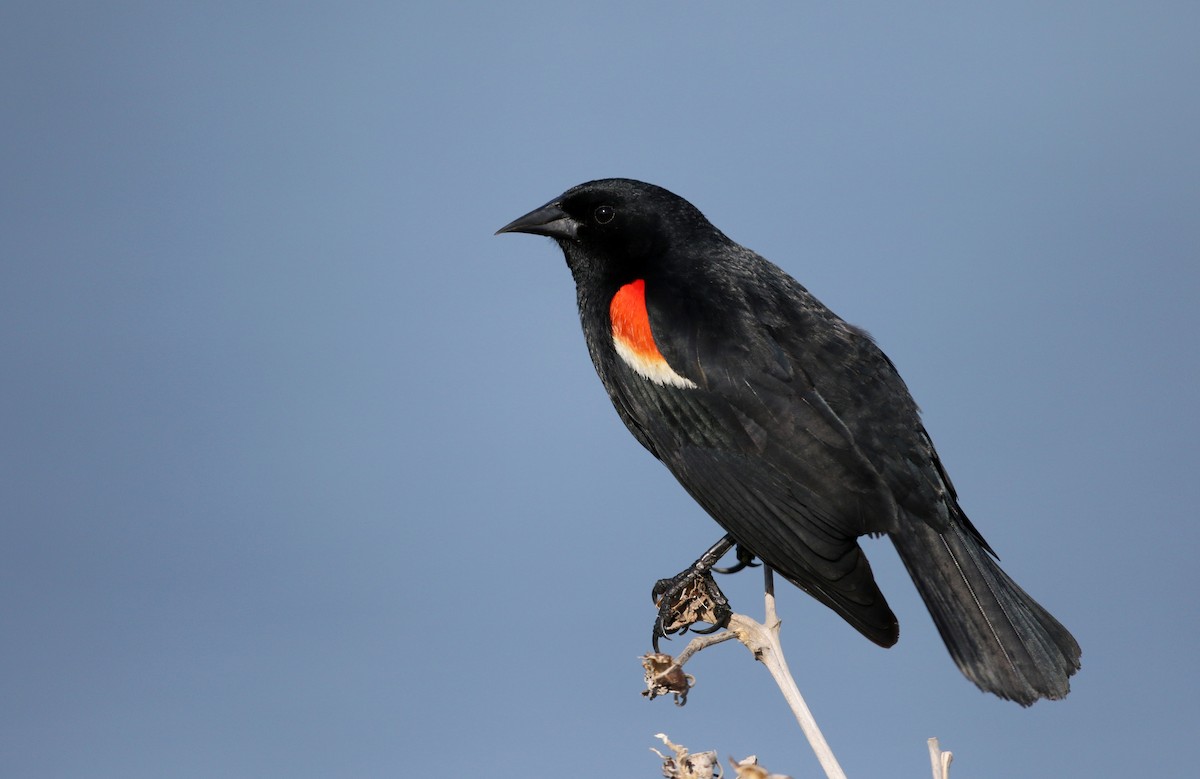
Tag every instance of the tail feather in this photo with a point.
(999, 636)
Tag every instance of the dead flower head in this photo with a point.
(684, 765)
(664, 675)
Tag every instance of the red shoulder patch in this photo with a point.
(631, 321)
(634, 341)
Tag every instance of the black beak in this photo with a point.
(548, 220)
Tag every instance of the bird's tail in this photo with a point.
(1000, 637)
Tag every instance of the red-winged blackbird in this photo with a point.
(789, 426)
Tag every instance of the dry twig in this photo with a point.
(665, 674)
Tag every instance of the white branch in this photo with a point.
(763, 642)
(665, 674)
(940, 760)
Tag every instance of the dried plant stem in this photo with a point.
(762, 639)
(703, 642)
(940, 760)
(763, 642)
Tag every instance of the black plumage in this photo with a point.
(789, 426)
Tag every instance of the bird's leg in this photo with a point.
(745, 559)
(692, 596)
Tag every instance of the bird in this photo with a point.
(790, 427)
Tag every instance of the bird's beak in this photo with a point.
(548, 220)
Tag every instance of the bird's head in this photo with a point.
(614, 224)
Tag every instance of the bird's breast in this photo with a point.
(634, 340)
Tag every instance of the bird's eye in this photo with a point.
(604, 214)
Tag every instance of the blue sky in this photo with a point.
(307, 474)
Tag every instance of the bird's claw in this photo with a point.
(686, 599)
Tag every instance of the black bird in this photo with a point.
(789, 426)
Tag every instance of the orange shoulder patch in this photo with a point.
(631, 321)
(633, 339)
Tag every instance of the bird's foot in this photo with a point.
(745, 559)
(688, 598)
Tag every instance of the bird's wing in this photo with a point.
(787, 496)
(760, 449)
(765, 333)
